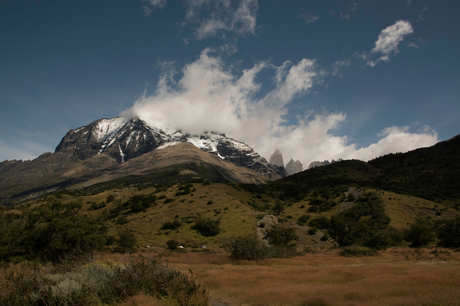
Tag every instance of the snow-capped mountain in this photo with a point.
(124, 139)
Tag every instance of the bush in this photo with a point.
(172, 225)
(126, 242)
(304, 219)
(355, 250)
(250, 248)
(325, 237)
(246, 248)
(449, 233)
(320, 222)
(419, 233)
(207, 227)
(280, 236)
(312, 231)
(172, 244)
(97, 283)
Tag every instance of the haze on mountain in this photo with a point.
(199, 66)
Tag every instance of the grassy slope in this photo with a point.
(230, 204)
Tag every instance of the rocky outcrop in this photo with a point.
(323, 163)
(276, 159)
(293, 167)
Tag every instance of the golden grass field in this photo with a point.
(398, 276)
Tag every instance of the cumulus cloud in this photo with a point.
(214, 16)
(210, 96)
(388, 42)
(152, 5)
(309, 17)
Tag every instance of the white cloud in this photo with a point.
(388, 41)
(210, 96)
(238, 16)
(397, 139)
(152, 5)
(309, 17)
(338, 66)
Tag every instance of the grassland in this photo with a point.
(398, 276)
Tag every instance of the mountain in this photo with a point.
(276, 159)
(293, 167)
(114, 148)
(431, 173)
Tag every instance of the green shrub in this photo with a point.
(172, 244)
(207, 227)
(172, 225)
(126, 242)
(355, 250)
(312, 231)
(325, 237)
(251, 248)
(419, 233)
(280, 236)
(449, 233)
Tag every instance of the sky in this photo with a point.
(318, 79)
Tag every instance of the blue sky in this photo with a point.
(316, 79)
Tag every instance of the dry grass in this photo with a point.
(141, 300)
(396, 277)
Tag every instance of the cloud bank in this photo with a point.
(210, 96)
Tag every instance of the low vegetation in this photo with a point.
(96, 283)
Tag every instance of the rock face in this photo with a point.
(293, 167)
(323, 163)
(277, 159)
(123, 140)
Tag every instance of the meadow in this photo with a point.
(397, 276)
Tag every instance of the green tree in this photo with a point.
(172, 244)
(278, 208)
(127, 241)
(280, 236)
(449, 233)
(419, 233)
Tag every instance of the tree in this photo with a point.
(419, 233)
(278, 208)
(449, 233)
(172, 244)
(127, 241)
(280, 236)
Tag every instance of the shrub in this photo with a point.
(172, 225)
(303, 219)
(312, 231)
(449, 233)
(97, 283)
(320, 222)
(207, 227)
(251, 248)
(246, 248)
(325, 237)
(355, 250)
(278, 208)
(419, 233)
(126, 242)
(172, 244)
(110, 198)
(280, 236)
